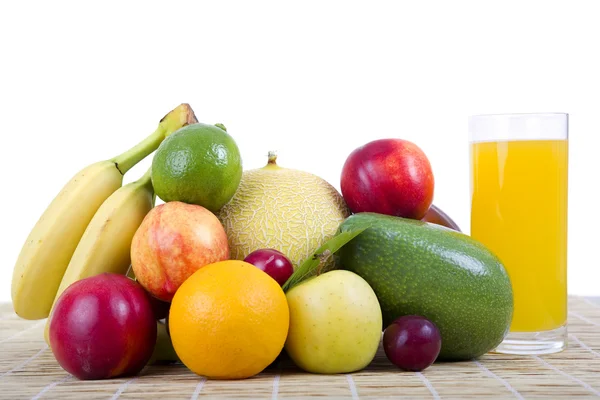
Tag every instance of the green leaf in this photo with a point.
(314, 265)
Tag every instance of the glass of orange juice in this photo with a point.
(519, 211)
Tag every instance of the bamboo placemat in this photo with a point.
(28, 370)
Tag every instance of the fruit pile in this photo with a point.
(238, 268)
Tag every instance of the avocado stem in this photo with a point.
(322, 261)
(177, 118)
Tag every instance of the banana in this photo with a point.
(48, 249)
(105, 244)
(51, 243)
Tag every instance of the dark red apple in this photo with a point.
(103, 327)
(159, 307)
(388, 176)
(436, 216)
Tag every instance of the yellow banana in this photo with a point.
(106, 242)
(51, 243)
(48, 249)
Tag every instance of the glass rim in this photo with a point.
(518, 126)
(521, 114)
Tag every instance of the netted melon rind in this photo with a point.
(288, 210)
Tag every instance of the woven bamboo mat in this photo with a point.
(28, 370)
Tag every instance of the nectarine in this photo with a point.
(103, 327)
(388, 176)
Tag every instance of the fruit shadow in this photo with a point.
(284, 365)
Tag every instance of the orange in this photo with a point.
(228, 320)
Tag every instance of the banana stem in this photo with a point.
(138, 152)
(177, 118)
(146, 177)
(146, 182)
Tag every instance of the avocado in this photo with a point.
(418, 268)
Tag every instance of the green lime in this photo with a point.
(198, 164)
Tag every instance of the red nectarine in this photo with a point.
(103, 327)
(388, 176)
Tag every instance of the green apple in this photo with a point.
(335, 323)
(164, 353)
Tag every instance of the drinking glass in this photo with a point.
(519, 168)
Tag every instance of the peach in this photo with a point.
(174, 241)
(103, 327)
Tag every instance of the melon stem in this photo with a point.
(272, 157)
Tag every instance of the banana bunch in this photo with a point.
(87, 229)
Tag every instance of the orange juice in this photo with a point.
(518, 210)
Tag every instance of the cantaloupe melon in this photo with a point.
(284, 209)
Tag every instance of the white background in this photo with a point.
(83, 82)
